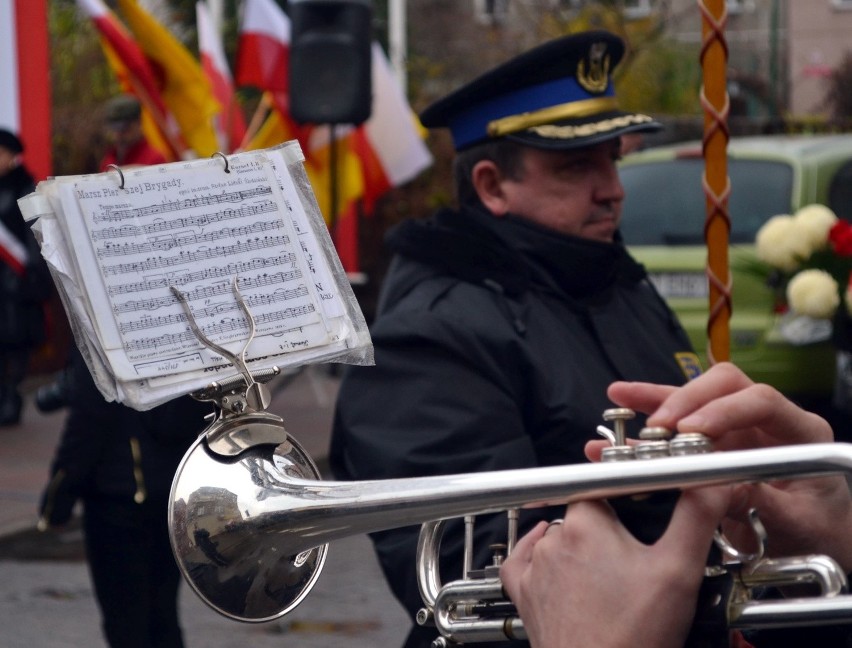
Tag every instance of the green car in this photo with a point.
(663, 225)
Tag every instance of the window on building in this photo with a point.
(739, 6)
(637, 8)
(632, 8)
(491, 12)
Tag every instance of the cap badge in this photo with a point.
(596, 78)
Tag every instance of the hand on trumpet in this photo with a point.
(587, 581)
(801, 516)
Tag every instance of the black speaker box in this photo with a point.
(330, 79)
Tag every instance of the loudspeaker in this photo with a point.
(330, 79)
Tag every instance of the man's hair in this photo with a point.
(505, 154)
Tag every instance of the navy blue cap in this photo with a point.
(10, 141)
(559, 95)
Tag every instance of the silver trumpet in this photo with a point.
(250, 520)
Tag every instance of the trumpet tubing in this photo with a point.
(250, 530)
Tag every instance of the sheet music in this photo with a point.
(198, 228)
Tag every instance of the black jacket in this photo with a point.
(495, 342)
(110, 451)
(21, 296)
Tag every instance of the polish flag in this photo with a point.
(230, 124)
(390, 143)
(25, 80)
(264, 47)
(263, 55)
(12, 252)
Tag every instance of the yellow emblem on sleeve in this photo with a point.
(689, 363)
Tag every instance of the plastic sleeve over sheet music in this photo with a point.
(119, 243)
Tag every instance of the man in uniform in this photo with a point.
(502, 322)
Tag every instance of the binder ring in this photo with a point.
(222, 155)
(120, 173)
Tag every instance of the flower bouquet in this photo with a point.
(808, 259)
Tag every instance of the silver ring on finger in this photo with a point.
(552, 523)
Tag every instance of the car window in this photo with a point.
(664, 203)
(840, 192)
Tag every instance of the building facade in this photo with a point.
(781, 52)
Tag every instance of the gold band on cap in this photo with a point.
(571, 110)
(552, 131)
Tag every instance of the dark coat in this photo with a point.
(495, 343)
(109, 451)
(21, 296)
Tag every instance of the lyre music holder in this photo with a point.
(241, 399)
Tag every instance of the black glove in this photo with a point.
(57, 501)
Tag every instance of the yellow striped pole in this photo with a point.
(717, 227)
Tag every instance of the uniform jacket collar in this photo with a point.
(513, 253)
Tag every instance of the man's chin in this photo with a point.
(603, 231)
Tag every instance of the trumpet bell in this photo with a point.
(226, 558)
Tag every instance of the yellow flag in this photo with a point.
(349, 179)
(185, 88)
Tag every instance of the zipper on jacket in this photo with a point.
(52, 487)
(140, 495)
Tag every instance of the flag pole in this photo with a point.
(260, 113)
(717, 187)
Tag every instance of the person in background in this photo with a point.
(567, 580)
(127, 147)
(24, 280)
(127, 143)
(120, 463)
(502, 322)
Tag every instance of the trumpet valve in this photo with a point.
(498, 554)
(690, 444)
(619, 417)
(619, 450)
(654, 443)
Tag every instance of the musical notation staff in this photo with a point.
(216, 290)
(183, 222)
(221, 327)
(148, 322)
(202, 254)
(134, 213)
(185, 239)
(227, 270)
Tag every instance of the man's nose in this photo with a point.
(609, 187)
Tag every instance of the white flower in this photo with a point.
(779, 245)
(813, 222)
(813, 293)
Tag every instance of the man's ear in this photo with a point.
(488, 182)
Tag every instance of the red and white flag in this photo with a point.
(25, 81)
(12, 252)
(384, 152)
(390, 152)
(390, 143)
(263, 52)
(263, 56)
(230, 124)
